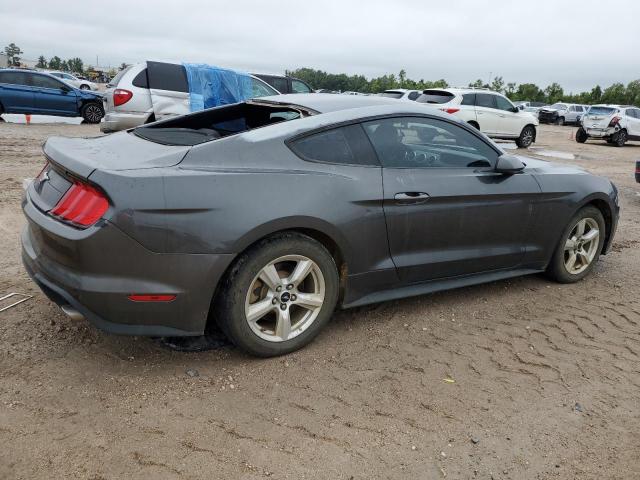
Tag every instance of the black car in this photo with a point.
(262, 216)
(285, 84)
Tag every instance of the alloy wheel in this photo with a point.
(582, 245)
(93, 113)
(285, 298)
(527, 137)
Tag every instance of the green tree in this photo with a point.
(554, 93)
(402, 78)
(75, 65)
(64, 66)
(42, 62)
(510, 90)
(616, 93)
(13, 53)
(633, 93)
(55, 63)
(529, 92)
(596, 95)
(497, 84)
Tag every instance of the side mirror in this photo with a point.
(509, 164)
(517, 109)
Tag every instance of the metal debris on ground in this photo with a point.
(23, 298)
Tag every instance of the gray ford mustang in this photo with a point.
(262, 217)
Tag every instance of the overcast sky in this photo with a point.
(578, 43)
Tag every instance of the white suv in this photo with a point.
(614, 123)
(490, 112)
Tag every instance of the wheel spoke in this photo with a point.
(259, 309)
(283, 324)
(310, 301)
(269, 275)
(570, 244)
(580, 227)
(570, 262)
(584, 258)
(300, 272)
(590, 235)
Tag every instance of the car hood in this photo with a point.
(89, 94)
(535, 165)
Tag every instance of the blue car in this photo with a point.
(37, 93)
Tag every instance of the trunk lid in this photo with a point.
(118, 151)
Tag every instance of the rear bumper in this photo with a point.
(94, 271)
(116, 121)
(600, 132)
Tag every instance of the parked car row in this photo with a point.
(561, 113)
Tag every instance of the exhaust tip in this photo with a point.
(72, 313)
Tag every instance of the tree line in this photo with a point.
(618, 93)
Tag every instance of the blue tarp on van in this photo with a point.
(211, 86)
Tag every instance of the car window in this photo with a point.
(435, 96)
(115, 80)
(485, 100)
(469, 99)
(413, 95)
(392, 94)
(14, 78)
(45, 82)
(415, 142)
(278, 83)
(346, 145)
(167, 76)
(636, 113)
(141, 80)
(503, 104)
(68, 77)
(299, 87)
(631, 112)
(260, 89)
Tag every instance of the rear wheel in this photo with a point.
(581, 135)
(619, 138)
(84, 86)
(526, 137)
(278, 295)
(92, 112)
(579, 247)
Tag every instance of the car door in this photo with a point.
(448, 212)
(633, 123)
(487, 113)
(510, 119)
(16, 95)
(169, 89)
(52, 96)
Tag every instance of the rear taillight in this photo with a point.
(82, 205)
(450, 110)
(121, 96)
(614, 121)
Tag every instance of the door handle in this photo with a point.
(411, 197)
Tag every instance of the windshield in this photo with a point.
(601, 110)
(559, 106)
(391, 94)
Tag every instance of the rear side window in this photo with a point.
(298, 86)
(435, 96)
(141, 80)
(469, 99)
(13, 78)
(45, 82)
(391, 94)
(485, 100)
(344, 145)
(167, 76)
(413, 95)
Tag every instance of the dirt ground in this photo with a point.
(518, 379)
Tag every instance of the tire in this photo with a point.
(84, 86)
(619, 138)
(275, 259)
(560, 121)
(560, 268)
(581, 135)
(526, 136)
(92, 112)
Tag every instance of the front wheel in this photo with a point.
(560, 121)
(579, 247)
(84, 86)
(92, 113)
(278, 296)
(526, 137)
(581, 135)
